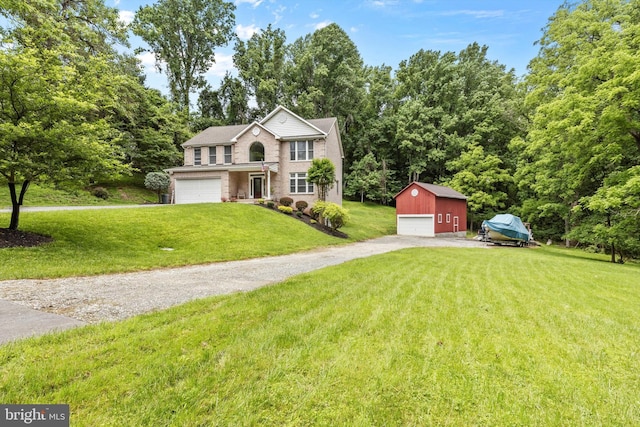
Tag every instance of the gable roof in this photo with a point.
(215, 135)
(287, 125)
(437, 190)
(281, 122)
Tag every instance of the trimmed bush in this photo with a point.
(261, 201)
(301, 205)
(286, 201)
(286, 209)
(100, 192)
(299, 214)
(270, 204)
(333, 213)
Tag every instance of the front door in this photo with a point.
(256, 187)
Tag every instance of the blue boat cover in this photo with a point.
(508, 225)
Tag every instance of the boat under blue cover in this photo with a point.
(507, 225)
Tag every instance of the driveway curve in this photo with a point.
(33, 307)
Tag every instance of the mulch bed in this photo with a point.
(21, 239)
(312, 223)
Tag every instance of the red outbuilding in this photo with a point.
(431, 210)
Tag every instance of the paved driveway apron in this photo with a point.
(34, 307)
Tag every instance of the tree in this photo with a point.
(365, 178)
(586, 128)
(183, 35)
(261, 64)
(325, 77)
(322, 174)
(482, 179)
(55, 73)
(158, 182)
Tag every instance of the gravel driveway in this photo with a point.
(80, 300)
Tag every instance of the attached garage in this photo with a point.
(431, 211)
(203, 190)
(416, 225)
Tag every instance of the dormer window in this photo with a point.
(256, 152)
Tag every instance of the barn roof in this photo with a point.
(438, 190)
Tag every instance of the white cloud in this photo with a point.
(475, 13)
(354, 29)
(253, 3)
(277, 14)
(245, 32)
(224, 63)
(126, 16)
(148, 62)
(314, 15)
(322, 24)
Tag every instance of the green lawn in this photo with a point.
(503, 336)
(116, 240)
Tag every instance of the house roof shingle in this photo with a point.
(438, 190)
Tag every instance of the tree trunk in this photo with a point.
(613, 245)
(16, 202)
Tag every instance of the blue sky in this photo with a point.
(387, 31)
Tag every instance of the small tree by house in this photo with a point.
(322, 174)
(158, 182)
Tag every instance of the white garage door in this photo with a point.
(198, 190)
(416, 225)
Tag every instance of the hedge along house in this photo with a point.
(431, 210)
(268, 159)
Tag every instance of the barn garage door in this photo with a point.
(198, 190)
(416, 225)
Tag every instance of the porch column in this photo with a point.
(268, 183)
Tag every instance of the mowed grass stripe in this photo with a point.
(415, 337)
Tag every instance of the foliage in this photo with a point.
(58, 75)
(100, 192)
(286, 209)
(261, 63)
(429, 338)
(88, 242)
(368, 179)
(286, 201)
(335, 214)
(301, 205)
(585, 132)
(322, 174)
(183, 34)
(158, 182)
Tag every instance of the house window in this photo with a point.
(448, 218)
(301, 150)
(256, 152)
(298, 183)
(439, 218)
(197, 156)
(212, 156)
(227, 154)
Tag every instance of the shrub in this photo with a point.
(270, 204)
(100, 192)
(286, 209)
(299, 214)
(261, 201)
(158, 182)
(301, 205)
(333, 213)
(286, 201)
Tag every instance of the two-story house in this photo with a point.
(268, 159)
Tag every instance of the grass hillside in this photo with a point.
(120, 193)
(92, 242)
(503, 336)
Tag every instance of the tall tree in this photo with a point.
(584, 88)
(56, 71)
(325, 76)
(183, 35)
(261, 65)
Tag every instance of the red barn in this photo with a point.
(431, 210)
